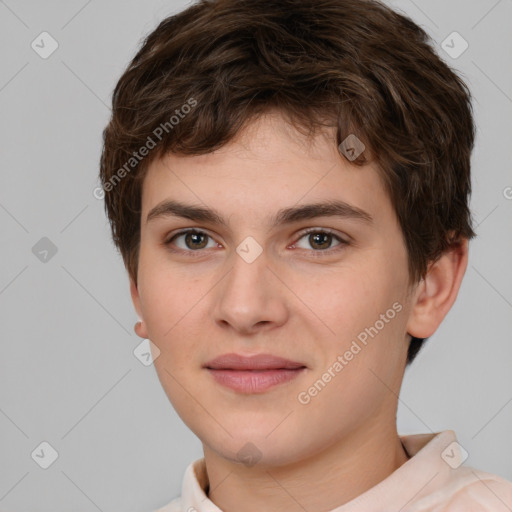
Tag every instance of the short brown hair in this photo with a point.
(355, 65)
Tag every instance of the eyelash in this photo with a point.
(318, 253)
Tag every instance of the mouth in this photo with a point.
(253, 374)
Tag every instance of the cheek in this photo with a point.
(348, 298)
(172, 305)
(363, 306)
(168, 296)
(175, 312)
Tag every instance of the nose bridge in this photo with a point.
(248, 295)
(246, 282)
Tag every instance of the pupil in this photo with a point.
(319, 236)
(195, 237)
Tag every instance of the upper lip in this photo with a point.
(255, 362)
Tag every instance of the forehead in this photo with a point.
(269, 166)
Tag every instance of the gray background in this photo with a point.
(68, 374)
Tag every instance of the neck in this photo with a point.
(329, 479)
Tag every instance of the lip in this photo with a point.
(253, 374)
(255, 362)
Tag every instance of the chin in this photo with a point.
(250, 450)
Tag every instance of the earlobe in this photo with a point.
(140, 327)
(437, 292)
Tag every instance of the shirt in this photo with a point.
(434, 479)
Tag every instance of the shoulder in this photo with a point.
(172, 506)
(470, 491)
(486, 493)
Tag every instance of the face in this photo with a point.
(328, 290)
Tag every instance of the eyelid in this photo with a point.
(169, 237)
(329, 231)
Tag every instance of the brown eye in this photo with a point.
(191, 240)
(195, 240)
(321, 240)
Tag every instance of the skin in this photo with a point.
(297, 300)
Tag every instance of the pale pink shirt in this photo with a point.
(432, 480)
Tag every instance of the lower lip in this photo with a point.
(253, 381)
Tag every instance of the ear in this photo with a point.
(437, 291)
(141, 329)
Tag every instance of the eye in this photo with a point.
(193, 240)
(321, 240)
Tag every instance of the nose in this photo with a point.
(250, 298)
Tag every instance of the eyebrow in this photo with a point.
(332, 208)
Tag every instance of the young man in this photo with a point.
(288, 184)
